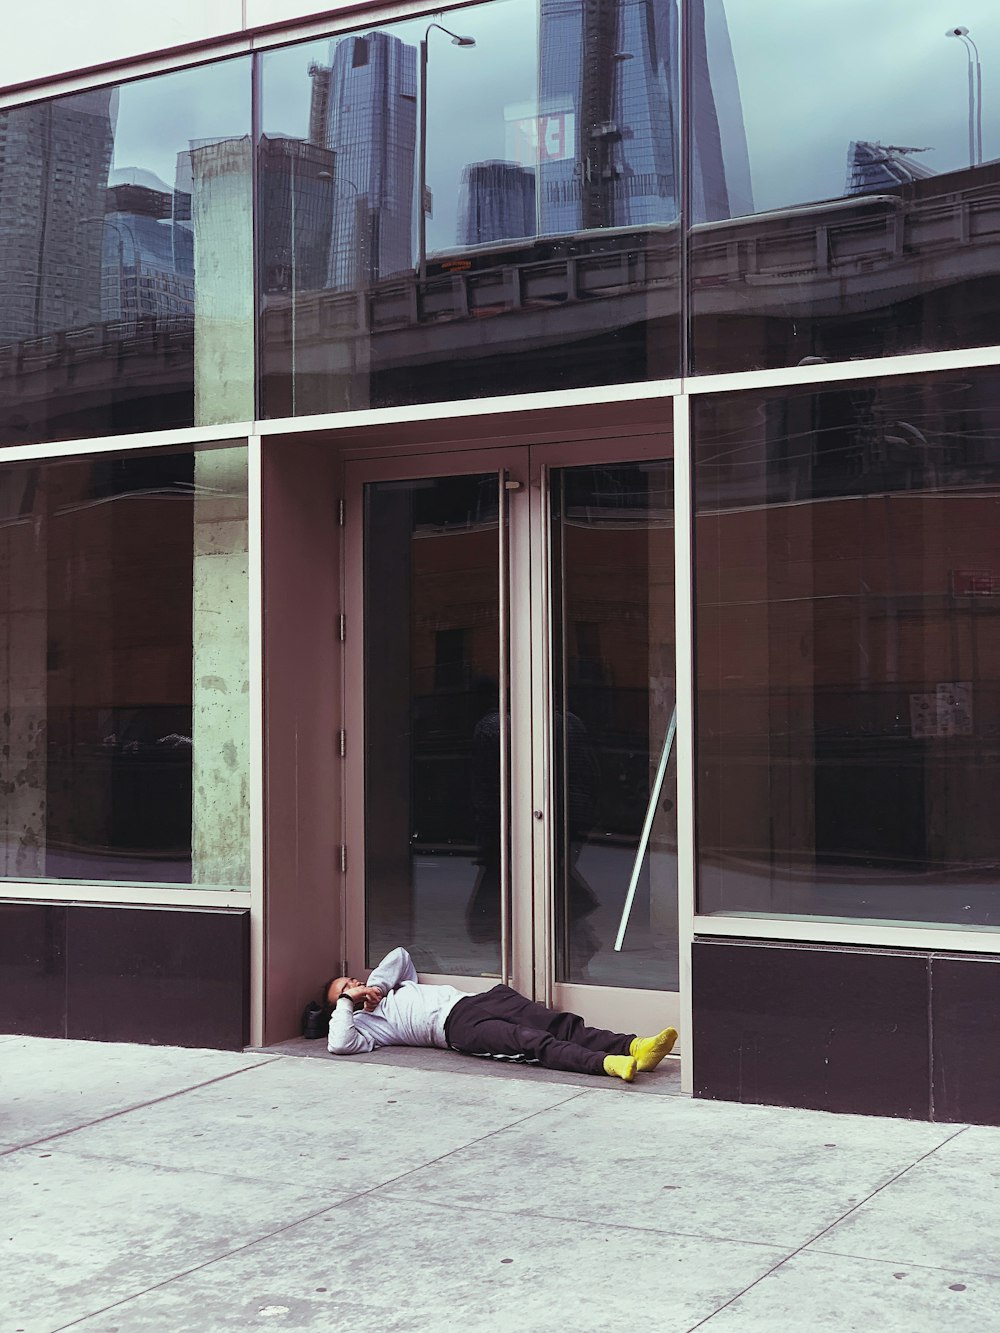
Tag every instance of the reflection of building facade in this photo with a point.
(876, 166)
(296, 192)
(148, 261)
(369, 94)
(497, 203)
(54, 161)
(609, 76)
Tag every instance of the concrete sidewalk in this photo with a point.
(146, 1188)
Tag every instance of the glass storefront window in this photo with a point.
(513, 230)
(847, 550)
(860, 215)
(124, 614)
(126, 286)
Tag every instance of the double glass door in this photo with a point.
(510, 702)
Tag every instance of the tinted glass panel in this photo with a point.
(123, 629)
(860, 218)
(523, 238)
(432, 721)
(613, 725)
(848, 651)
(125, 258)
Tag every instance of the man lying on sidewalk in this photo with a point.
(394, 1009)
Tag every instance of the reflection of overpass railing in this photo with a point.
(546, 284)
(76, 368)
(840, 257)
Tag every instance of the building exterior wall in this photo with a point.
(635, 199)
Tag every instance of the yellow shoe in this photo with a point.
(620, 1066)
(649, 1051)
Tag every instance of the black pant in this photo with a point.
(501, 1023)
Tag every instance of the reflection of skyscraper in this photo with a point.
(370, 92)
(148, 268)
(721, 185)
(497, 203)
(54, 161)
(609, 113)
(876, 166)
(296, 203)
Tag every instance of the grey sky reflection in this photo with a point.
(815, 76)
(157, 118)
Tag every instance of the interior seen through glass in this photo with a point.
(124, 629)
(613, 721)
(848, 649)
(433, 725)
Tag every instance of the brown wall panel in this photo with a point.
(158, 976)
(819, 1027)
(33, 969)
(302, 715)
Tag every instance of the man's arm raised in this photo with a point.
(394, 968)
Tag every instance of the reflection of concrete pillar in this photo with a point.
(23, 692)
(223, 265)
(223, 391)
(220, 815)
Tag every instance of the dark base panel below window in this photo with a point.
(156, 976)
(868, 1031)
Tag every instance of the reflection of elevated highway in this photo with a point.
(914, 268)
(134, 374)
(838, 274)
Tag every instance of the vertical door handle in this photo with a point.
(503, 620)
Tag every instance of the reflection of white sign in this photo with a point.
(535, 139)
(955, 708)
(946, 712)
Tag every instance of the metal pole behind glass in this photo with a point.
(640, 853)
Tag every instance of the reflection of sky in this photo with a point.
(468, 89)
(815, 76)
(158, 117)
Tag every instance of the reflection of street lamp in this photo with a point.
(359, 248)
(975, 95)
(109, 220)
(456, 40)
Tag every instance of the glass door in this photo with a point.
(510, 702)
(605, 692)
(430, 703)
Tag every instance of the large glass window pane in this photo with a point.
(864, 149)
(513, 229)
(848, 651)
(126, 289)
(124, 723)
(613, 725)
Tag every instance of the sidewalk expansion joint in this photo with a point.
(308, 1217)
(836, 1223)
(137, 1106)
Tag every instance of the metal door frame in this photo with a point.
(513, 461)
(532, 956)
(623, 1008)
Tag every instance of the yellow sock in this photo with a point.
(649, 1051)
(620, 1066)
